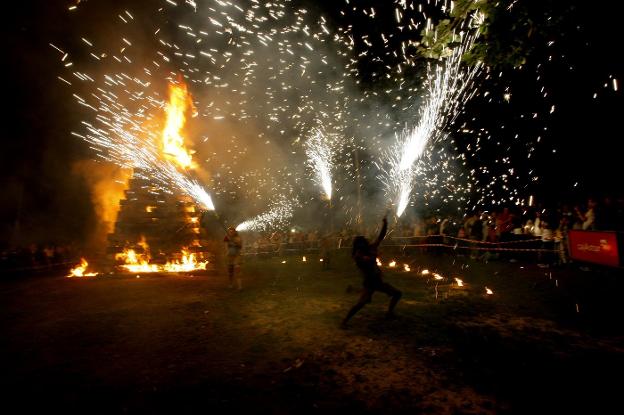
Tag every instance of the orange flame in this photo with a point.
(140, 262)
(136, 262)
(173, 142)
(79, 271)
(188, 263)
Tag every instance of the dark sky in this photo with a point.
(51, 203)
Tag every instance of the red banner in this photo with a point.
(593, 246)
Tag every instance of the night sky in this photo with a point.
(577, 154)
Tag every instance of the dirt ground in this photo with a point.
(546, 341)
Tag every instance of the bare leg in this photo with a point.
(395, 297)
(231, 274)
(239, 279)
(365, 298)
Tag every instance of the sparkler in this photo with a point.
(320, 157)
(446, 86)
(121, 138)
(277, 216)
(224, 56)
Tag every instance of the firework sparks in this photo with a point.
(446, 85)
(319, 155)
(223, 57)
(277, 216)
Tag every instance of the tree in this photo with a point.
(509, 31)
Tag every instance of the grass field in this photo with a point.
(547, 340)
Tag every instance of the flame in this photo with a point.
(459, 282)
(136, 262)
(188, 263)
(173, 142)
(392, 264)
(406, 267)
(140, 262)
(488, 291)
(304, 259)
(378, 262)
(79, 271)
(425, 272)
(437, 276)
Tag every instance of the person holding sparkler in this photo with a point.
(365, 255)
(234, 245)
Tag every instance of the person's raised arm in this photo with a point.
(382, 233)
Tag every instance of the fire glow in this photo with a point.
(79, 270)
(136, 263)
(179, 104)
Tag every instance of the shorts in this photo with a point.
(234, 260)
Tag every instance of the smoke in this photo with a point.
(106, 183)
(262, 79)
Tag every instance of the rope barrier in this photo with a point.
(469, 240)
(426, 245)
(476, 248)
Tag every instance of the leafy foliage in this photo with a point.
(511, 30)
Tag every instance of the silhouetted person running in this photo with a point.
(365, 256)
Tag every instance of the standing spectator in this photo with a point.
(443, 226)
(561, 239)
(324, 251)
(234, 245)
(606, 215)
(544, 257)
(503, 224)
(589, 217)
(537, 224)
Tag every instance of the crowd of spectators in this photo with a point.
(36, 256)
(547, 227)
(544, 229)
